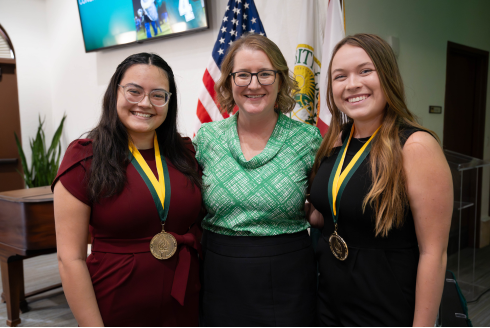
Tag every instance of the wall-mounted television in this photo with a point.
(112, 23)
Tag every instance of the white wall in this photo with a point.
(73, 78)
(25, 23)
(51, 53)
(56, 76)
(188, 55)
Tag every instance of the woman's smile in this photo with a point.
(142, 118)
(356, 87)
(142, 115)
(356, 99)
(254, 98)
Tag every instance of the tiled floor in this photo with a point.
(48, 309)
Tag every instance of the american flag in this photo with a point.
(240, 17)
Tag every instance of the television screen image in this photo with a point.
(110, 23)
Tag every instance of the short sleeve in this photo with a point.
(73, 169)
(75, 182)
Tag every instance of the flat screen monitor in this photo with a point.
(111, 23)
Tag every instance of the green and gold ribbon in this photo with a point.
(159, 188)
(338, 181)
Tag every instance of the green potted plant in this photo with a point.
(44, 161)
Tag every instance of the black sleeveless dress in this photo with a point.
(375, 285)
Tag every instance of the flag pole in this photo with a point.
(342, 2)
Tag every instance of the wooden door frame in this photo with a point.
(477, 149)
(480, 92)
(11, 62)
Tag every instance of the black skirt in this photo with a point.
(258, 281)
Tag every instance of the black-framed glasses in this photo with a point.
(135, 94)
(243, 79)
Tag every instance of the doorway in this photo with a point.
(464, 130)
(10, 164)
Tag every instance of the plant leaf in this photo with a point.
(56, 137)
(25, 168)
(44, 161)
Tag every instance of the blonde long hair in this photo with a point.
(288, 85)
(388, 196)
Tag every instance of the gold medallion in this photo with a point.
(338, 246)
(163, 246)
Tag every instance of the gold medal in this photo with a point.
(337, 183)
(163, 245)
(338, 246)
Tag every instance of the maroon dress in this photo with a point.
(132, 287)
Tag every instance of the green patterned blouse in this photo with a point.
(264, 196)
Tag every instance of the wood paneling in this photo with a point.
(27, 220)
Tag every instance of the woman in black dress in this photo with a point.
(382, 192)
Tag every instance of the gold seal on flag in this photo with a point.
(306, 65)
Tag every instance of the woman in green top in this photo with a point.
(259, 265)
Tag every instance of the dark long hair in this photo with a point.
(107, 176)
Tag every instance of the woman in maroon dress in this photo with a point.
(102, 183)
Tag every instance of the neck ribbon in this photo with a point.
(338, 181)
(159, 188)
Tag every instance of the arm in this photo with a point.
(72, 221)
(430, 194)
(196, 228)
(314, 217)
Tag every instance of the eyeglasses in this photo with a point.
(243, 79)
(135, 94)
